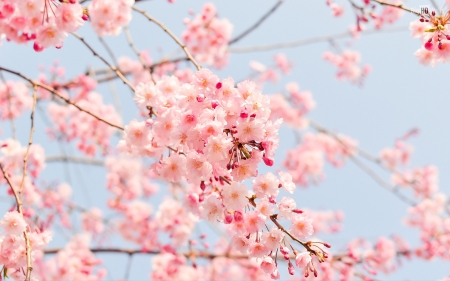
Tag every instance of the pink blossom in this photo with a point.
(254, 221)
(212, 208)
(301, 226)
(302, 259)
(268, 265)
(266, 185)
(234, 196)
(13, 223)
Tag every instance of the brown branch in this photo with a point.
(309, 41)
(56, 93)
(113, 68)
(135, 251)
(108, 49)
(138, 53)
(30, 141)
(25, 233)
(399, 6)
(256, 24)
(181, 44)
(381, 182)
(363, 166)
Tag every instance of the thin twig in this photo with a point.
(74, 159)
(56, 93)
(171, 34)
(108, 49)
(399, 6)
(30, 141)
(363, 166)
(309, 41)
(138, 53)
(381, 182)
(113, 68)
(128, 268)
(256, 24)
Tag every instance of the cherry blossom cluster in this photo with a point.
(270, 74)
(74, 262)
(367, 12)
(293, 108)
(14, 99)
(69, 123)
(13, 250)
(348, 66)
(128, 179)
(431, 217)
(11, 157)
(222, 131)
(207, 36)
(46, 22)
(432, 30)
(336, 9)
(397, 156)
(305, 162)
(108, 17)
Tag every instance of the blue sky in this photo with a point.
(398, 94)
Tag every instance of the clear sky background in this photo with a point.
(398, 94)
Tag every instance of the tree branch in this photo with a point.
(309, 41)
(399, 6)
(256, 24)
(181, 44)
(74, 159)
(56, 93)
(113, 68)
(25, 233)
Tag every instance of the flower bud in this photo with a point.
(37, 47)
(228, 218)
(238, 216)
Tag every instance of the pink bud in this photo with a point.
(202, 186)
(37, 47)
(193, 199)
(291, 269)
(228, 218)
(253, 115)
(268, 161)
(244, 114)
(218, 85)
(284, 250)
(214, 104)
(72, 1)
(297, 211)
(203, 236)
(428, 46)
(238, 216)
(275, 275)
(272, 199)
(149, 122)
(200, 97)
(85, 17)
(286, 257)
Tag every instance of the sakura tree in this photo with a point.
(164, 140)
